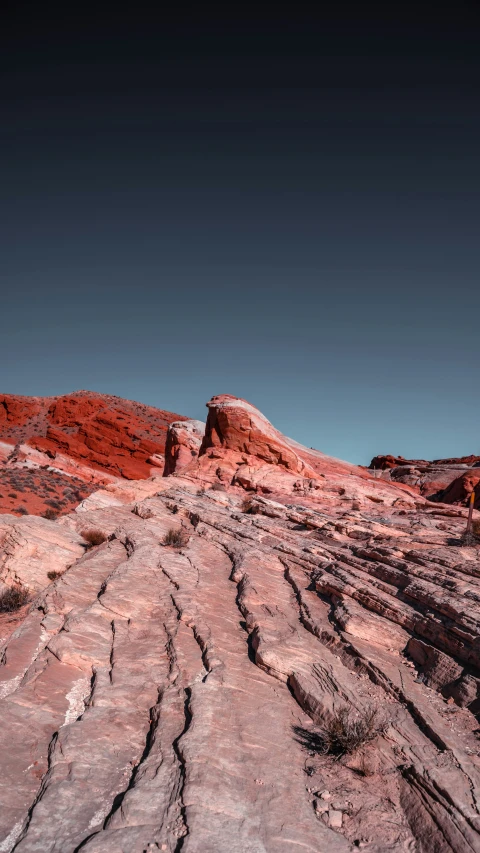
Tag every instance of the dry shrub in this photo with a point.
(218, 487)
(52, 576)
(177, 538)
(348, 729)
(50, 514)
(246, 505)
(345, 732)
(93, 537)
(13, 599)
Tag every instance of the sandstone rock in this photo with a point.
(438, 669)
(183, 443)
(162, 698)
(31, 547)
(236, 425)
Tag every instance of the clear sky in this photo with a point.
(285, 209)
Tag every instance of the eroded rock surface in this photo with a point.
(446, 480)
(162, 697)
(52, 448)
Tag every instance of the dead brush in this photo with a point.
(344, 732)
(246, 505)
(13, 599)
(176, 537)
(347, 730)
(93, 537)
(53, 575)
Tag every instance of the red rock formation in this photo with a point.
(385, 462)
(184, 439)
(446, 480)
(102, 433)
(459, 490)
(235, 425)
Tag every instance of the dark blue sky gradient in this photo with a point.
(285, 210)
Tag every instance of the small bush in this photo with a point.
(13, 599)
(246, 505)
(218, 487)
(177, 538)
(50, 514)
(93, 537)
(52, 576)
(12, 495)
(22, 510)
(345, 732)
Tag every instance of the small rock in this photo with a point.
(324, 795)
(335, 819)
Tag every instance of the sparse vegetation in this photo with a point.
(246, 505)
(176, 537)
(52, 576)
(345, 731)
(50, 514)
(22, 510)
(93, 537)
(13, 599)
(218, 487)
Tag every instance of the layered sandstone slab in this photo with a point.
(172, 698)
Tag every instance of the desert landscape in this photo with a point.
(215, 639)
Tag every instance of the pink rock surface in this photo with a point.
(172, 698)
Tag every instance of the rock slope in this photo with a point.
(167, 697)
(54, 451)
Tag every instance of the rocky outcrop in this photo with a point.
(445, 480)
(184, 439)
(173, 696)
(32, 547)
(81, 440)
(238, 427)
